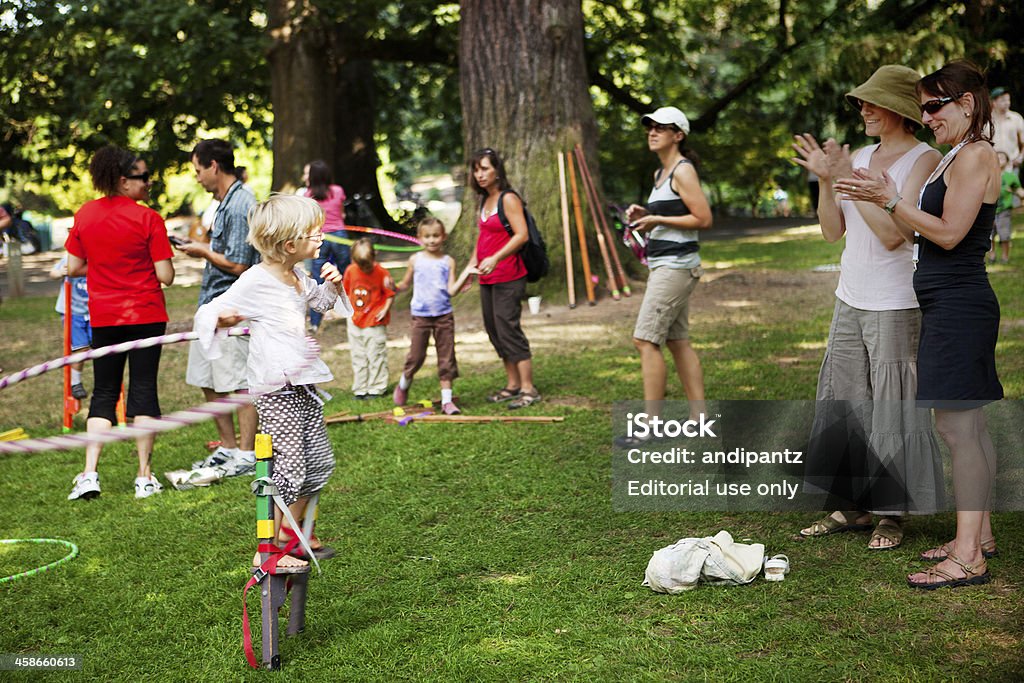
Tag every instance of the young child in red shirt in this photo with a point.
(371, 290)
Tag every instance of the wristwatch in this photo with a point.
(890, 206)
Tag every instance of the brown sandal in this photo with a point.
(829, 525)
(526, 398)
(972, 576)
(505, 394)
(889, 529)
(988, 549)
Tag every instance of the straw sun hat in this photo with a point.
(891, 87)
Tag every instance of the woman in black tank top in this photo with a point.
(950, 224)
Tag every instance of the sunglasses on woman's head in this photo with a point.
(144, 176)
(933, 106)
(661, 127)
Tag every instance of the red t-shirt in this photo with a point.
(493, 237)
(120, 241)
(367, 292)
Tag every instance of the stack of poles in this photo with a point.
(616, 277)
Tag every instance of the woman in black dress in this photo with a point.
(951, 223)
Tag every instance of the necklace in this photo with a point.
(939, 170)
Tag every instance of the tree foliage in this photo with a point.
(749, 73)
(77, 75)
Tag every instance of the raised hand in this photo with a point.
(840, 165)
(329, 272)
(811, 155)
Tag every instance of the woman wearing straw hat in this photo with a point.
(950, 224)
(870, 360)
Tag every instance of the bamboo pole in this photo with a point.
(623, 280)
(566, 234)
(591, 196)
(580, 232)
(485, 419)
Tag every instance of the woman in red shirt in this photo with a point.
(502, 276)
(122, 250)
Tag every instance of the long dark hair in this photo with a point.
(108, 166)
(320, 180)
(955, 79)
(499, 167)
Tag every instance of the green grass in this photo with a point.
(491, 552)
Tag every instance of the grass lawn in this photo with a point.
(491, 552)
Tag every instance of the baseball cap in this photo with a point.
(666, 116)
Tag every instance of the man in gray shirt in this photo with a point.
(227, 255)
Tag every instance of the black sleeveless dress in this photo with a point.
(956, 359)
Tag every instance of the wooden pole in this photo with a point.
(484, 419)
(566, 234)
(71, 405)
(623, 280)
(580, 232)
(591, 196)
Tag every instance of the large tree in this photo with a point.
(523, 84)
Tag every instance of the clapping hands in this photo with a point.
(828, 160)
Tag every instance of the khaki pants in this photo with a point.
(368, 346)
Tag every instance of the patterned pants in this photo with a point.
(303, 459)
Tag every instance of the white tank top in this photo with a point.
(873, 278)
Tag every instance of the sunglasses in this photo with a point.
(933, 106)
(661, 127)
(144, 177)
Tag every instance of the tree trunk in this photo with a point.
(523, 83)
(323, 103)
(300, 92)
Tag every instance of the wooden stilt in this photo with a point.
(566, 234)
(580, 232)
(274, 587)
(591, 196)
(623, 280)
(71, 404)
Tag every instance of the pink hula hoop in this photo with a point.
(181, 418)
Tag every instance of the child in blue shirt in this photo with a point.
(431, 273)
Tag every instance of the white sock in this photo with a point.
(76, 376)
(446, 396)
(404, 382)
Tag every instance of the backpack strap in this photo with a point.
(501, 211)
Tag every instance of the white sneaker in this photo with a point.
(244, 463)
(147, 486)
(87, 486)
(217, 459)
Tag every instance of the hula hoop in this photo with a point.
(123, 347)
(385, 233)
(181, 418)
(46, 567)
(328, 237)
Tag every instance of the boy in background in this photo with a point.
(371, 291)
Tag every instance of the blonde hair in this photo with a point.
(363, 254)
(280, 218)
(430, 220)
